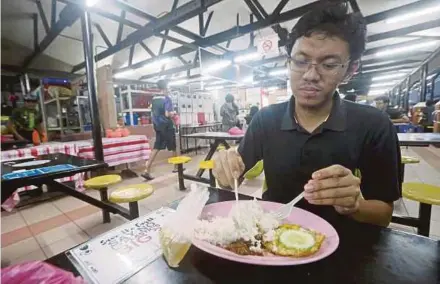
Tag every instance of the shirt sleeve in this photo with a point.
(168, 104)
(251, 147)
(381, 168)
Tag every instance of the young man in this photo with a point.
(162, 113)
(316, 142)
(396, 116)
(26, 119)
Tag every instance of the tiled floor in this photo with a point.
(41, 231)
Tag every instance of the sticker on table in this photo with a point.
(37, 172)
(31, 164)
(120, 253)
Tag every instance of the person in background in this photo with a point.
(428, 115)
(24, 120)
(350, 97)
(229, 113)
(162, 114)
(395, 114)
(344, 157)
(252, 112)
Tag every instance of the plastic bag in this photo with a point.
(38, 272)
(178, 230)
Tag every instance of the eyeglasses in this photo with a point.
(323, 68)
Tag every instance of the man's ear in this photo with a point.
(352, 68)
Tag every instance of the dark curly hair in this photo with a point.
(332, 20)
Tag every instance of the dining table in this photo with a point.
(419, 139)
(366, 254)
(56, 166)
(220, 138)
(186, 129)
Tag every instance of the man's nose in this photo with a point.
(311, 74)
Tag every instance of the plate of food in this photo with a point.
(247, 232)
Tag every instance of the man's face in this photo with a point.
(313, 85)
(381, 105)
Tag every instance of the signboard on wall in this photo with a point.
(268, 45)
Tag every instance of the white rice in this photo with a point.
(245, 221)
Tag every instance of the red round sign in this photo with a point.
(267, 45)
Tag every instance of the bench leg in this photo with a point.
(424, 219)
(105, 213)
(180, 177)
(134, 210)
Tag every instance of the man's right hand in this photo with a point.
(228, 166)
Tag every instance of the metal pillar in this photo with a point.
(91, 85)
(423, 83)
(406, 98)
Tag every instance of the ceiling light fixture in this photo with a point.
(391, 83)
(247, 57)
(387, 77)
(91, 3)
(404, 49)
(278, 72)
(124, 74)
(214, 88)
(248, 79)
(415, 14)
(157, 63)
(378, 64)
(387, 68)
(178, 82)
(217, 66)
(271, 89)
(377, 92)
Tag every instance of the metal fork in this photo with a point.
(285, 210)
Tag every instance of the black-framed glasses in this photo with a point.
(323, 68)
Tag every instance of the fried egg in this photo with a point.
(295, 241)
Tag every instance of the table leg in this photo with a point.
(211, 179)
(107, 206)
(104, 197)
(180, 177)
(424, 219)
(210, 154)
(134, 210)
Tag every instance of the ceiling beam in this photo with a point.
(68, 16)
(234, 32)
(102, 34)
(147, 49)
(43, 16)
(408, 8)
(135, 11)
(41, 73)
(35, 26)
(120, 28)
(171, 71)
(53, 13)
(405, 31)
(181, 14)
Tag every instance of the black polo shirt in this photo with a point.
(354, 136)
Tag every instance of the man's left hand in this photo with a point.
(336, 186)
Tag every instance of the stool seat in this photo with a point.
(179, 160)
(221, 147)
(421, 192)
(255, 171)
(131, 193)
(207, 165)
(410, 160)
(102, 181)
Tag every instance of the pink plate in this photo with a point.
(298, 216)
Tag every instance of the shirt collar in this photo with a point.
(337, 120)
